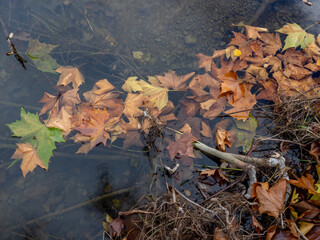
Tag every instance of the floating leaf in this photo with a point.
(32, 131)
(296, 36)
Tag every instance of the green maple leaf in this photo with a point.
(39, 54)
(42, 138)
(245, 131)
(296, 36)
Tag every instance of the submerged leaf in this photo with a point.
(39, 54)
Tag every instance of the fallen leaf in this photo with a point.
(39, 54)
(132, 105)
(32, 131)
(94, 126)
(296, 36)
(132, 85)
(305, 182)
(204, 62)
(29, 156)
(219, 234)
(272, 43)
(70, 74)
(223, 138)
(171, 80)
(183, 146)
(253, 32)
(158, 95)
(206, 130)
(271, 201)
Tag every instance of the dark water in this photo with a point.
(100, 37)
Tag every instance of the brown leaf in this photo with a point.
(255, 223)
(315, 150)
(271, 201)
(29, 156)
(272, 43)
(270, 90)
(216, 108)
(305, 182)
(171, 80)
(183, 146)
(133, 138)
(132, 105)
(66, 97)
(253, 32)
(204, 62)
(223, 138)
(117, 225)
(219, 234)
(70, 74)
(231, 85)
(61, 120)
(206, 130)
(94, 126)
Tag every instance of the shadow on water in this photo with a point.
(101, 37)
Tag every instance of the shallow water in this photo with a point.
(100, 37)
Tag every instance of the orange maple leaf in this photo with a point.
(70, 74)
(29, 156)
(93, 125)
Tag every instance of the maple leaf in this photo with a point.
(61, 121)
(296, 36)
(270, 90)
(158, 95)
(171, 80)
(217, 107)
(66, 97)
(183, 146)
(271, 201)
(232, 85)
(94, 126)
(253, 32)
(132, 85)
(29, 156)
(200, 82)
(245, 132)
(32, 131)
(305, 182)
(206, 130)
(272, 43)
(242, 42)
(132, 138)
(224, 138)
(132, 105)
(39, 54)
(241, 105)
(190, 107)
(205, 61)
(70, 74)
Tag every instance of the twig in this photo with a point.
(197, 205)
(239, 179)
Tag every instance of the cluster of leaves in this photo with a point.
(254, 66)
(251, 60)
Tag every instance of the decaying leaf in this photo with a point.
(271, 201)
(39, 54)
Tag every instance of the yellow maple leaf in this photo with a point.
(132, 85)
(158, 95)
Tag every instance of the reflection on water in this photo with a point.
(103, 38)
